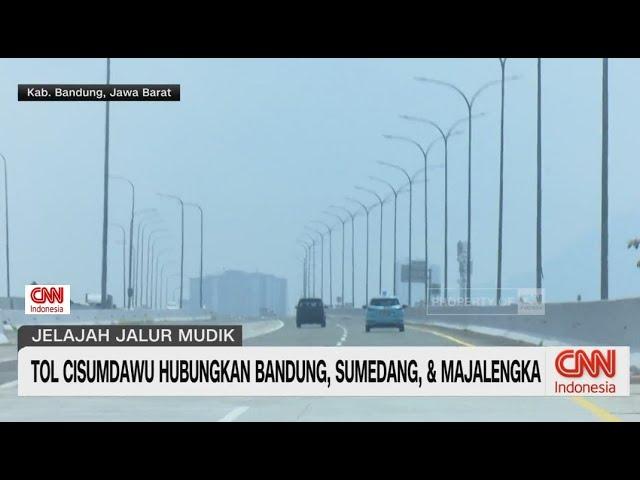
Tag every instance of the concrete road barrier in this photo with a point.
(610, 322)
(15, 318)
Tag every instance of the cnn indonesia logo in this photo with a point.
(588, 372)
(47, 299)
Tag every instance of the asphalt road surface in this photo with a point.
(340, 331)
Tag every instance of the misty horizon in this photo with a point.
(266, 145)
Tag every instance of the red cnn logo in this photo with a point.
(573, 363)
(47, 295)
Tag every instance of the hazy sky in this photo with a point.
(266, 145)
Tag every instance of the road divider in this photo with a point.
(607, 322)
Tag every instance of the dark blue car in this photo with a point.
(310, 310)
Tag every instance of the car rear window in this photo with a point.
(384, 302)
(311, 303)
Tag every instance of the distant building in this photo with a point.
(240, 293)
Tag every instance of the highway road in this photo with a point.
(340, 331)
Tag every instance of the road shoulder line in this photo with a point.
(441, 335)
(591, 407)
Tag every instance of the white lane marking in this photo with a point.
(344, 336)
(233, 414)
(7, 385)
(441, 335)
(257, 329)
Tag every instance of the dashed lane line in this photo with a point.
(596, 410)
(343, 339)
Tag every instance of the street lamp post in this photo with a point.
(136, 252)
(395, 193)
(604, 229)
(195, 205)
(161, 286)
(166, 287)
(305, 269)
(410, 180)
(105, 210)
(312, 264)
(163, 283)
(140, 254)
(311, 273)
(381, 202)
(150, 245)
(6, 230)
(469, 103)
(133, 206)
(539, 188)
(133, 285)
(152, 270)
(154, 293)
(309, 254)
(425, 155)
(445, 137)
(303, 261)
(503, 63)
(304, 272)
(329, 231)
(124, 266)
(321, 261)
(178, 199)
(342, 221)
(353, 249)
(366, 211)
